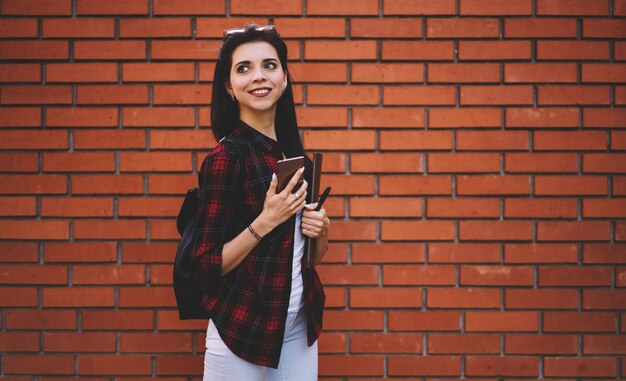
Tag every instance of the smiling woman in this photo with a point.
(265, 306)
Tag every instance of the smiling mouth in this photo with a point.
(261, 92)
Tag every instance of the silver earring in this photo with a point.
(232, 96)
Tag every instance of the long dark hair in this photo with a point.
(225, 111)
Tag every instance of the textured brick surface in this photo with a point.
(476, 150)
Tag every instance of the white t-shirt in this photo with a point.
(296, 302)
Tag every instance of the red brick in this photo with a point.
(20, 117)
(109, 50)
(109, 229)
(475, 298)
(496, 95)
(567, 95)
(577, 367)
(322, 116)
(386, 73)
(168, 320)
(541, 117)
(212, 27)
(459, 118)
(385, 28)
(415, 140)
(33, 139)
(182, 49)
(160, 274)
(418, 7)
(80, 252)
(78, 297)
(318, 72)
(19, 342)
(461, 28)
(161, 27)
(603, 28)
(492, 140)
(17, 94)
(351, 366)
(539, 72)
(79, 162)
(146, 297)
(149, 207)
(601, 72)
(600, 162)
(342, 94)
(615, 208)
(118, 319)
(495, 7)
(424, 321)
(397, 297)
(538, 207)
(463, 162)
(574, 276)
(540, 253)
(18, 28)
(340, 50)
(18, 297)
(34, 229)
(463, 343)
(603, 253)
(604, 118)
(618, 142)
(619, 8)
(553, 298)
(79, 342)
(385, 162)
(33, 274)
(417, 50)
(570, 185)
(156, 342)
(189, 7)
(353, 320)
(48, 319)
(405, 275)
(107, 184)
(81, 72)
(385, 343)
(572, 50)
(108, 274)
(78, 28)
(501, 321)
(541, 344)
(182, 94)
(462, 207)
(463, 253)
(353, 230)
(114, 364)
(110, 139)
(603, 344)
(81, 117)
(19, 162)
(541, 162)
(539, 27)
(158, 72)
(112, 7)
(496, 276)
(341, 7)
(76, 207)
(277, 7)
(419, 95)
(38, 364)
(385, 207)
(33, 184)
(155, 161)
(179, 364)
(424, 366)
(502, 366)
(37, 7)
(158, 117)
(387, 253)
(350, 185)
(603, 299)
(572, 7)
(463, 72)
(20, 73)
(317, 27)
(112, 94)
(573, 231)
(417, 230)
(414, 185)
(17, 206)
(387, 117)
(34, 50)
(335, 139)
(570, 140)
(495, 230)
(494, 50)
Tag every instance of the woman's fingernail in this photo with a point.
(302, 170)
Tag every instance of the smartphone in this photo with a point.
(286, 169)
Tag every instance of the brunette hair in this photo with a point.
(225, 111)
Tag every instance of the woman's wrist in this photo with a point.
(261, 226)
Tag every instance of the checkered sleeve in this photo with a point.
(219, 173)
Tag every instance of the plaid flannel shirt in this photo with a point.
(249, 304)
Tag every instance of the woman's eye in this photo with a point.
(271, 65)
(242, 69)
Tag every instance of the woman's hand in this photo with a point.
(278, 207)
(314, 223)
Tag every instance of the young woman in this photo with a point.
(265, 306)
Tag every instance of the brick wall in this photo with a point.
(476, 150)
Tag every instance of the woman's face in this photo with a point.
(256, 77)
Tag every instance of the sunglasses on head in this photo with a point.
(260, 28)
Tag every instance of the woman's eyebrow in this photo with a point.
(264, 60)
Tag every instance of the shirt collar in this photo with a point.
(247, 133)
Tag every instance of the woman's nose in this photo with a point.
(258, 75)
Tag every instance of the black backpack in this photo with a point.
(187, 295)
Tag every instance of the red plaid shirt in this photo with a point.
(249, 304)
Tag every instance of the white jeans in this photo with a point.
(297, 360)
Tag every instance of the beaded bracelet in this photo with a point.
(258, 237)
